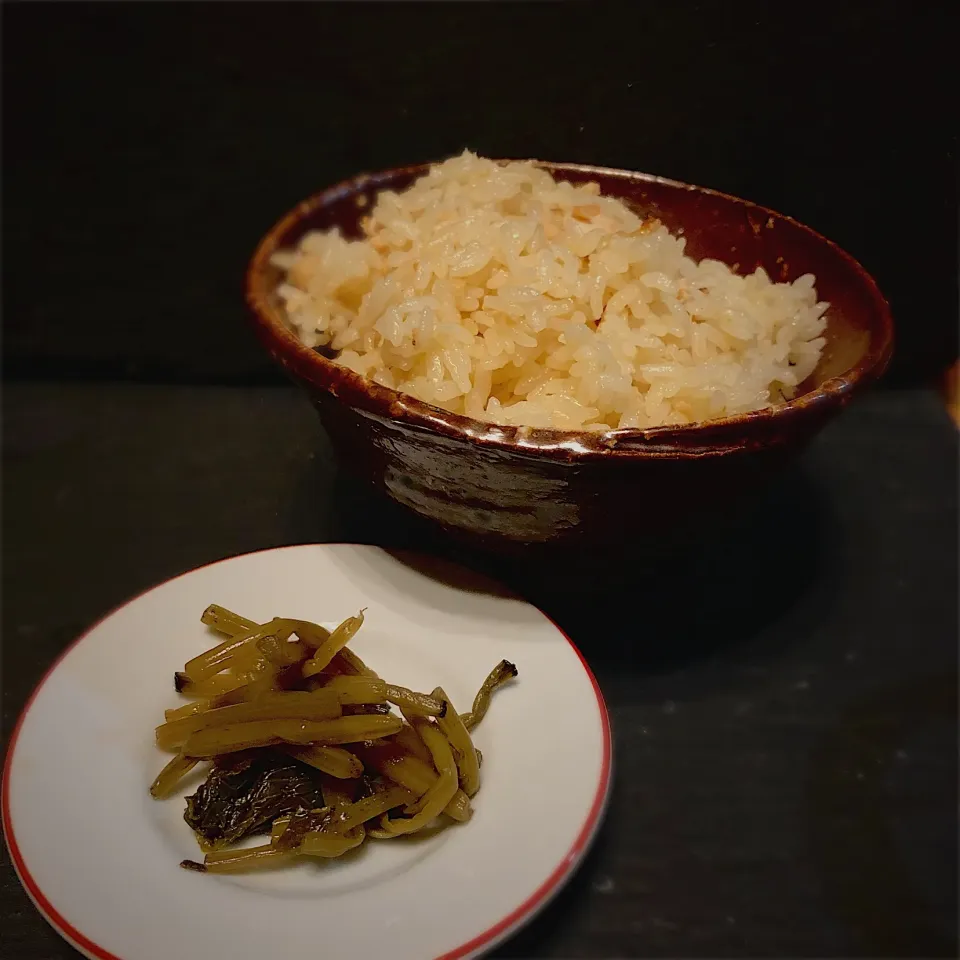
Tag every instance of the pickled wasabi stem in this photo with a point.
(411, 702)
(214, 741)
(298, 825)
(409, 771)
(312, 634)
(498, 676)
(408, 739)
(464, 752)
(383, 800)
(238, 861)
(333, 645)
(423, 811)
(377, 833)
(233, 625)
(226, 621)
(332, 760)
(357, 690)
(225, 688)
(282, 653)
(240, 651)
(214, 686)
(236, 694)
(171, 775)
(322, 843)
(294, 705)
(349, 663)
(326, 832)
(187, 710)
(262, 681)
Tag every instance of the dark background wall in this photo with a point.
(148, 145)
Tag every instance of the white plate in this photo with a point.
(100, 858)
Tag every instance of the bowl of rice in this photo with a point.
(542, 354)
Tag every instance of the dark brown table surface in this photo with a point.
(783, 703)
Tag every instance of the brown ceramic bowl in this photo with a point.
(503, 487)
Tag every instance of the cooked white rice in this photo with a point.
(498, 292)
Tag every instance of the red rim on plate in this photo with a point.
(489, 938)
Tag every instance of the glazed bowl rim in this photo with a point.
(701, 438)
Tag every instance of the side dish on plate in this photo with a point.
(441, 891)
(303, 745)
(496, 291)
